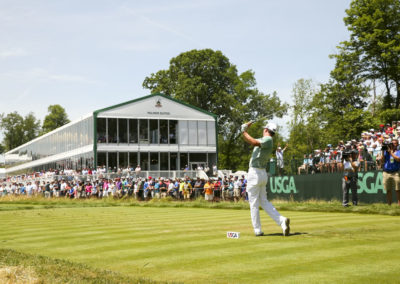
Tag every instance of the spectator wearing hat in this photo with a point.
(237, 184)
(217, 189)
(208, 191)
(198, 187)
(279, 159)
(388, 129)
(377, 156)
(163, 188)
(350, 176)
(171, 188)
(187, 190)
(391, 167)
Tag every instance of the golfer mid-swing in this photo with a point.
(257, 179)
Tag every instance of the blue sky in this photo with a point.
(86, 55)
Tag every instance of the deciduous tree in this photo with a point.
(374, 27)
(18, 130)
(56, 117)
(207, 79)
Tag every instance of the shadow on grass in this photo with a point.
(290, 235)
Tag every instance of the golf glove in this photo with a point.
(244, 127)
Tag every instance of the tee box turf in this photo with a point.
(233, 235)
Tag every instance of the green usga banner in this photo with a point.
(326, 187)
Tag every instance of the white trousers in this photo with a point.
(257, 180)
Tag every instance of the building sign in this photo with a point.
(283, 184)
(158, 103)
(326, 187)
(158, 112)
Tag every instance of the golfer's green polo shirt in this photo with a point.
(261, 154)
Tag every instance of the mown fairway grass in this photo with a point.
(189, 244)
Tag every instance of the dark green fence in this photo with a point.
(326, 187)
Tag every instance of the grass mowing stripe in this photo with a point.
(333, 264)
(191, 246)
(283, 260)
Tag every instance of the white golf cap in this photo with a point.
(271, 127)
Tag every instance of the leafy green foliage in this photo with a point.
(328, 114)
(390, 115)
(57, 117)
(375, 40)
(338, 110)
(206, 79)
(305, 126)
(18, 130)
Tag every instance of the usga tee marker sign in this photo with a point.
(233, 235)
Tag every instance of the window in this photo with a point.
(133, 132)
(123, 160)
(173, 128)
(144, 161)
(198, 157)
(202, 132)
(112, 161)
(173, 161)
(154, 162)
(112, 130)
(211, 140)
(212, 159)
(164, 161)
(183, 132)
(101, 159)
(153, 131)
(163, 131)
(143, 131)
(122, 130)
(183, 161)
(133, 159)
(192, 132)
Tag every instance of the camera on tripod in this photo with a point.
(386, 145)
(347, 153)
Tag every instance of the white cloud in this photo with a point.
(162, 26)
(70, 78)
(145, 46)
(16, 52)
(41, 74)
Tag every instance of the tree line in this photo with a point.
(18, 129)
(323, 113)
(339, 109)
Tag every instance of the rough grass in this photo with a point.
(17, 274)
(25, 203)
(18, 267)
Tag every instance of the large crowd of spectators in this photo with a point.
(97, 184)
(369, 147)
